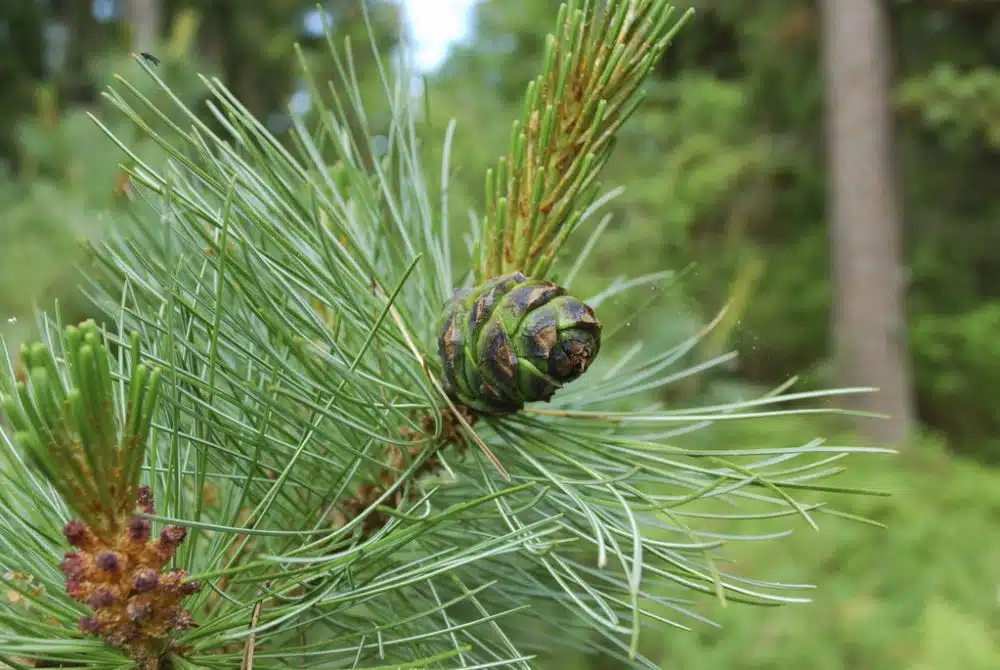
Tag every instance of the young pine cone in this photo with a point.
(514, 340)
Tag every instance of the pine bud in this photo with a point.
(108, 562)
(101, 597)
(72, 565)
(76, 534)
(139, 529)
(144, 499)
(146, 579)
(172, 581)
(188, 588)
(90, 625)
(137, 610)
(76, 589)
(173, 535)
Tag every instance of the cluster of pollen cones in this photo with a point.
(136, 603)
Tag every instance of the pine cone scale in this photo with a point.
(498, 358)
(526, 298)
(451, 350)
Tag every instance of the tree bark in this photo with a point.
(144, 18)
(869, 332)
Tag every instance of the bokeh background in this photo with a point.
(738, 180)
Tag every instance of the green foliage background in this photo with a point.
(724, 173)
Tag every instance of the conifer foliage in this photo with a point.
(271, 374)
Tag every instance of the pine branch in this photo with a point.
(292, 294)
(88, 439)
(594, 67)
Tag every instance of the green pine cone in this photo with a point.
(514, 340)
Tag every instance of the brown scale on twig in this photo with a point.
(396, 460)
(136, 602)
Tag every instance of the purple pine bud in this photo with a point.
(137, 610)
(187, 588)
(108, 561)
(101, 597)
(76, 533)
(72, 565)
(139, 529)
(144, 499)
(76, 590)
(173, 535)
(90, 624)
(146, 580)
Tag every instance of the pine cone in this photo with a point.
(514, 340)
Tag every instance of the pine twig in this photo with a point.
(593, 70)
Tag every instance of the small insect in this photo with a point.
(150, 58)
(12, 320)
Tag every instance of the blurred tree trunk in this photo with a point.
(869, 288)
(22, 68)
(73, 79)
(144, 18)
